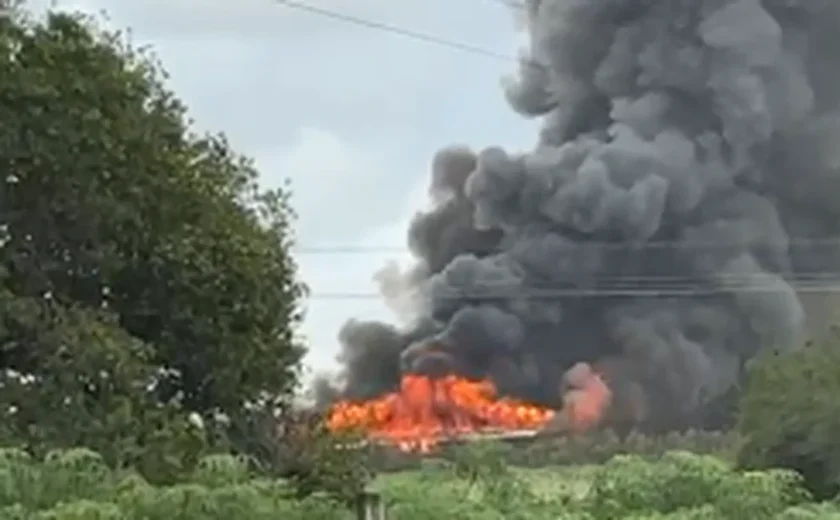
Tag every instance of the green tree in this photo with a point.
(315, 460)
(145, 275)
(790, 414)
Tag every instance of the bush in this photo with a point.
(790, 415)
(298, 447)
(681, 482)
(76, 485)
(594, 448)
(677, 485)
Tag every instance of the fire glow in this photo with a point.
(426, 411)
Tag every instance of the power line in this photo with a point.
(677, 280)
(400, 31)
(513, 4)
(657, 245)
(814, 283)
(596, 293)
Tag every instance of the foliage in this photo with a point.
(295, 445)
(78, 485)
(485, 466)
(314, 460)
(678, 485)
(681, 481)
(593, 448)
(790, 415)
(144, 274)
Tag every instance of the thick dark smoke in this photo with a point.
(677, 210)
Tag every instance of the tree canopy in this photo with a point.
(145, 274)
(790, 414)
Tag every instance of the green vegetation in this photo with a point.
(593, 448)
(77, 485)
(144, 276)
(798, 427)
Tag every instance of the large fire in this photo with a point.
(425, 411)
(586, 401)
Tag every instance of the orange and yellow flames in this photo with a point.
(425, 411)
(586, 403)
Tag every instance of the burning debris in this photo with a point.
(671, 221)
(585, 402)
(426, 410)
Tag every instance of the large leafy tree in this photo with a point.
(144, 273)
(790, 414)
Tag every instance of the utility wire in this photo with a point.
(513, 4)
(824, 276)
(617, 287)
(612, 246)
(399, 31)
(591, 293)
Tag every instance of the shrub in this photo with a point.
(314, 460)
(594, 448)
(75, 485)
(790, 415)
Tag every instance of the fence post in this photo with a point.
(369, 506)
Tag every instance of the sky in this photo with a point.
(350, 115)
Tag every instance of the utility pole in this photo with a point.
(370, 506)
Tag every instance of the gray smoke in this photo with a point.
(677, 208)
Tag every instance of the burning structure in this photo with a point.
(674, 218)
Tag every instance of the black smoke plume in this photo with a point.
(677, 214)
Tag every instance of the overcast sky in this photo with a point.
(350, 114)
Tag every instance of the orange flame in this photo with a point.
(588, 400)
(425, 411)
